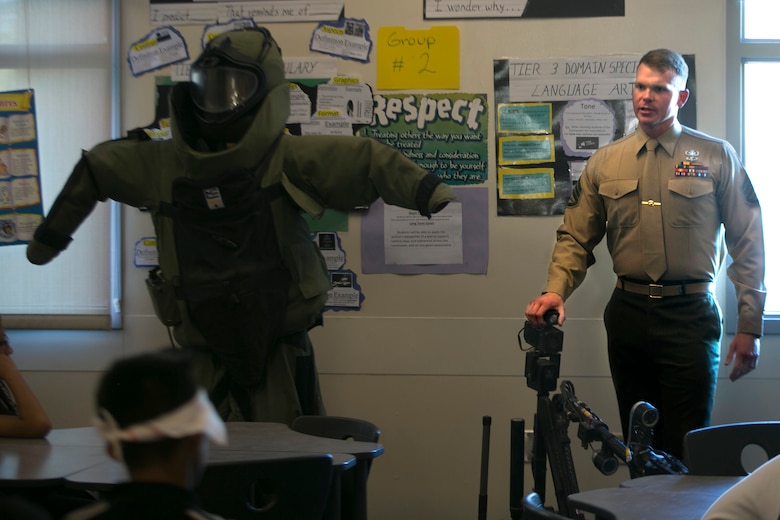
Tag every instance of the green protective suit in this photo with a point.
(317, 172)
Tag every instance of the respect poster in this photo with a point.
(21, 210)
(445, 134)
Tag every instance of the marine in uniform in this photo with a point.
(666, 197)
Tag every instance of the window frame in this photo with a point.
(738, 52)
(111, 319)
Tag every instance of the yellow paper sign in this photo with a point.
(418, 59)
(16, 101)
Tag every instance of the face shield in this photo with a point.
(217, 88)
(225, 84)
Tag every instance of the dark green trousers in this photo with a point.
(290, 387)
(666, 352)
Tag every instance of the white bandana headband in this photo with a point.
(195, 416)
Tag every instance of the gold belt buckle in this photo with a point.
(655, 290)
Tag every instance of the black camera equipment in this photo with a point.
(543, 361)
(592, 429)
(637, 453)
(551, 440)
(647, 460)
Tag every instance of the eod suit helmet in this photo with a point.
(233, 75)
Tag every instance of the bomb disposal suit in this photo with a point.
(243, 298)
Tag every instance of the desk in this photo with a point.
(35, 462)
(108, 472)
(242, 436)
(279, 437)
(683, 483)
(76, 457)
(671, 497)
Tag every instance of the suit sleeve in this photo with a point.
(348, 172)
(115, 170)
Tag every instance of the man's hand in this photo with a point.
(745, 349)
(536, 309)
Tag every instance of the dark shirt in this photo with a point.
(144, 500)
(7, 401)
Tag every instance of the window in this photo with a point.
(753, 68)
(64, 51)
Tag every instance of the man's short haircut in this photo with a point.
(140, 388)
(665, 59)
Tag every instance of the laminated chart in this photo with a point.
(21, 210)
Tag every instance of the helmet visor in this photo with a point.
(222, 88)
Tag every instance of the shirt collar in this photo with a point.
(667, 140)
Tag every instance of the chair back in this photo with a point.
(731, 449)
(354, 483)
(280, 489)
(533, 509)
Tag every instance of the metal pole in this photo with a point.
(516, 468)
(486, 420)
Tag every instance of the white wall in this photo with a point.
(428, 356)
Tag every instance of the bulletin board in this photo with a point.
(552, 114)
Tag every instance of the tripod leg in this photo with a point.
(554, 423)
(539, 458)
(516, 468)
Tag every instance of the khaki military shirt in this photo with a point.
(707, 196)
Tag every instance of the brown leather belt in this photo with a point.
(657, 290)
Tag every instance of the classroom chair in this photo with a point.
(354, 483)
(533, 509)
(725, 450)
(297, 488)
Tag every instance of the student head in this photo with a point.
(155, 417)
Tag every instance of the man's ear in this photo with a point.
(682, 98)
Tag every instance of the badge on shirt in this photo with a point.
(691, 155)
(691, 169)
(213, 198)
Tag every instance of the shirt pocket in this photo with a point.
(692, 202)
(621, 200)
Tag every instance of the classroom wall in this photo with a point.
(428, 356)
